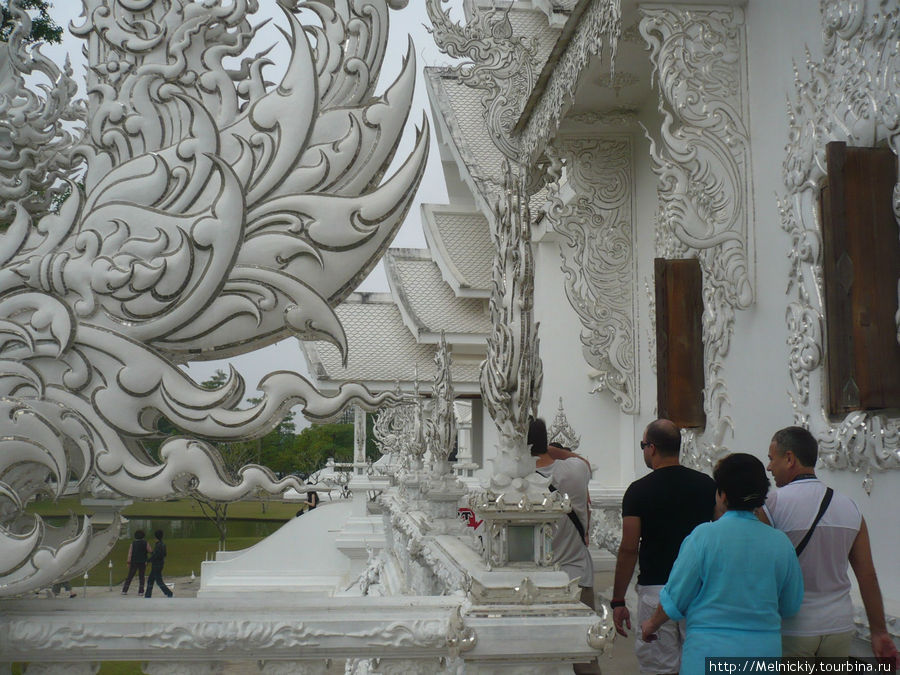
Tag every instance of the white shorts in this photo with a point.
(664, 654)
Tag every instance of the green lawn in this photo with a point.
(184, 555)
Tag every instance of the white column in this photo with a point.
(359, 440)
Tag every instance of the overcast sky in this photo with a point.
(406, 22)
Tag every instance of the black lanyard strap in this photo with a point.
(826, 500)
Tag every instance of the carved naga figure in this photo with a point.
(204, 212)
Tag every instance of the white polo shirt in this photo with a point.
(827, 607)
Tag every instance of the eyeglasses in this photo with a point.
(644, 444)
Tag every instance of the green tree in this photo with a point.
(315, 444)
(43, 27)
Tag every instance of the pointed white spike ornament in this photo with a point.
(511, 375)
(203, 213)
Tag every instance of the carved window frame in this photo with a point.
(842, 97)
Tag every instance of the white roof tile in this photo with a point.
(427, 301)
(381, 350)
(461, 245)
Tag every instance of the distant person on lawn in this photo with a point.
(157, 560)
(138, 553)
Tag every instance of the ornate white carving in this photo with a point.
(598, 266)
(218, 214)
(851, 96)
(182, 668)
(499, 63)
(650, 291)
(311, 667)
(620, 117)
(606, 527)
(600, 24)
(359, 435)
(440, 429)
(561, 431)
(393, 430)
(416, 445)
(429, 570)
(705, 189)
(35, 149)
(602, 634)
(511, 375)
(618, 81)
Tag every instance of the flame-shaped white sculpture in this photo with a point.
(209, 213)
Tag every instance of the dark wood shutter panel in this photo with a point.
(861, 266)
(679, 341)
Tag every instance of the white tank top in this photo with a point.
(827, 607)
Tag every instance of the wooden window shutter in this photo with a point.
(679, 341)
(861, 261)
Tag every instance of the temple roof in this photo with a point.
(428, 305)
(381, 351)
(461, 245)
(459, 112)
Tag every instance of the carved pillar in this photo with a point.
(698, 55)
(359, 441)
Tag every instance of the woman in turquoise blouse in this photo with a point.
(734, 579)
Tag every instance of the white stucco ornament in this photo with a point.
(204, 212)
(511, 375)
(440, 428)
(850, 96)
(702, 161)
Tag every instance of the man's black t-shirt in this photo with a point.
(671, 501)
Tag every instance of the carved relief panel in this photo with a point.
(596, 249)
(848, 96)
(702, 160)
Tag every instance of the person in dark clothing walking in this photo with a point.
(137, 561)
(157, 559)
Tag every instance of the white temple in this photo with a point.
(641, 223)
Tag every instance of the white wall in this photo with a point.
(595, 417)
(778, 33)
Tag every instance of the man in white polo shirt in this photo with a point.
(824, 625)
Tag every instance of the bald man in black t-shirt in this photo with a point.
(658, 512)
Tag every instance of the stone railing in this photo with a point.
(281, 633)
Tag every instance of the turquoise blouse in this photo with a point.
(733, 582)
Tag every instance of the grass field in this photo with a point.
(184, 555)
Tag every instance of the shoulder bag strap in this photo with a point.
(576, 521)
(826, 500)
